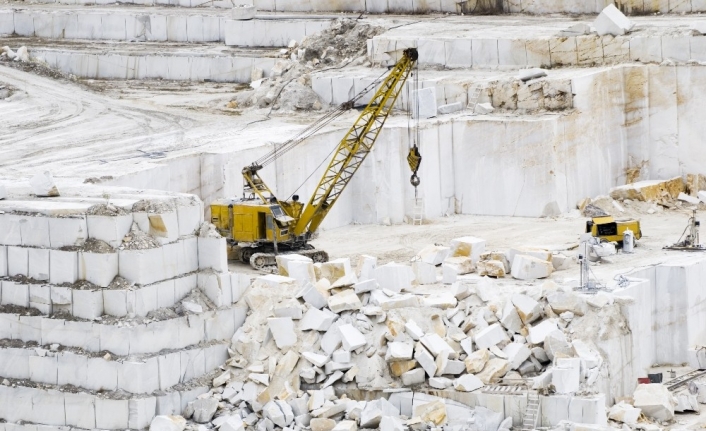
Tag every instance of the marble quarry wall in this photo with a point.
(482, 7)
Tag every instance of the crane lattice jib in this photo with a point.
(355, 146)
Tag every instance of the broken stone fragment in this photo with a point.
(313, 296)
(468, 246)
(322, 424)
(413, 377)
(565, 301)
(484, 108)
(203, 409)
(394, 277)
(491, 268)
(400, 367)
(398, 351)
(655, 401)
(490, 336)
(455, 266)
(526, 267)
(346, 300)
(511, 318)
(365, 267)
(494, 369)
(476, 361)
(413, 330)
(516, 354)
(434, 411)
(424, 273)
(279, 412)
(625, 413)
(538, 333)
(426, 360)
(317, 320)
(43, 185)
(468, 383)
(168, 423)
(528, 309)
(435, 344)
(346, 425)
(335, 269)
(433, 254)
(391, 423)
(351, 338)
(282, 329)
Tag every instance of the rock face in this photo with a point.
(655, 401)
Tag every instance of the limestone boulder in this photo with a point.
(655, 401)
(433, 254)
(491, 268)
(477, 360)
(526, 267)
(468, 246)
(612, 21)
(43, 185)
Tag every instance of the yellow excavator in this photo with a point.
(259, 226)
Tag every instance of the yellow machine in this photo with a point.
(259, 225)
(609, 229)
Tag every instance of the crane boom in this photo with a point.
(355, 146)
(260, 226)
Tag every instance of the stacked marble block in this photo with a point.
(60, 310)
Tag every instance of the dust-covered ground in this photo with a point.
(400, 243)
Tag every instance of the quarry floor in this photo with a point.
(400, 243)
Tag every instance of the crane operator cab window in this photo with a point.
(281, 217)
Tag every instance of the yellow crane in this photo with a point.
(259, 225)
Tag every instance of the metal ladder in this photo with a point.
(475, 95)
(529, 420)
(418, 214)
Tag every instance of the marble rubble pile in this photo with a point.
(20, 55)
(314, 327)
(288, 85)
(116, 305)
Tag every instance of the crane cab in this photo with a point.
(251, 221)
